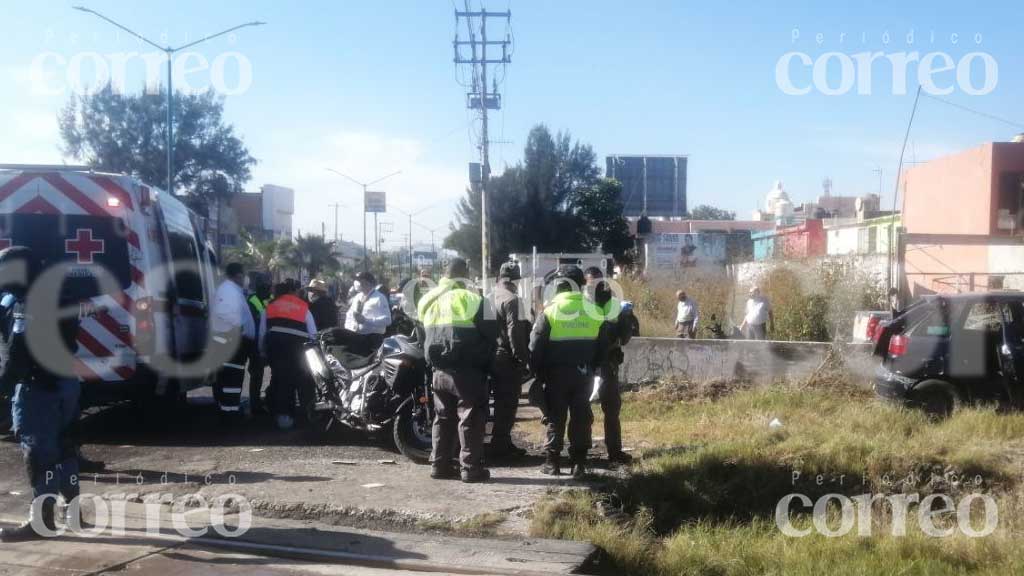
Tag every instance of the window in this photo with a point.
(186, 265)
(931, 320)
(983, 317)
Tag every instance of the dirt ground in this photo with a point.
(344, 477)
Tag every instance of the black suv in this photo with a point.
(948, 350)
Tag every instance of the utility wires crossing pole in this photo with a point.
(481, 99)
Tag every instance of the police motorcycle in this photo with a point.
(387, 393)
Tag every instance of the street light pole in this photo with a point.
(365, 185)
(170, 51)
(410, 215)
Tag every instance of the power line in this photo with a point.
(974, 111)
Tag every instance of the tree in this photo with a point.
(599, 208)
(531, 204)
(270, 256)
(125, 133)
(312, 254)
(705, 212)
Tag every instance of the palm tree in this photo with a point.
(314, 255)
(270, 256)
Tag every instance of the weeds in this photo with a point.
(702, 498)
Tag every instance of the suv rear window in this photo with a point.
(933, 319)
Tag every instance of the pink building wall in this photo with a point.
(956, 194)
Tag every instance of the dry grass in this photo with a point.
(702, 499)
(481, 525)
(812, 301)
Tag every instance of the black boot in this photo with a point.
(476, 475)
(26, 532)
(552, 465)
(579, 468)
(449, 472)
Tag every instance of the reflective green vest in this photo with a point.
(449, 305)
(573, 317)
(258, 304)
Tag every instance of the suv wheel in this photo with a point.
(937, 398)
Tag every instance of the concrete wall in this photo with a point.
(652, 359)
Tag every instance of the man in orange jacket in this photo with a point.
(285, 326)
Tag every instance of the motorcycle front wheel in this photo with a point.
(412, 433)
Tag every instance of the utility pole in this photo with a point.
(335, 206)
(480, 99)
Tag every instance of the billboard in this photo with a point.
(677, 251)
(376, 202)
(655, 184)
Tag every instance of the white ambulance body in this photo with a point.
(147, 241)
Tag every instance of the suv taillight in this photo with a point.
(873, 331)
(898, 345)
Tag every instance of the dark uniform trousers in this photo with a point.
(288, 374)
(460, 402)
(507, 384)
(257, 366)
(567, 393)
(611, 406)
(227, 388)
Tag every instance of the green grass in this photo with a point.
(702, 498)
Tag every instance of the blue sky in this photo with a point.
(369, 88)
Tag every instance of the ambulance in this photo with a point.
(133, 339)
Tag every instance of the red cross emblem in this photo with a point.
(83, 246)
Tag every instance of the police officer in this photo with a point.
(45, 403)
(257, 301)
(233, 332)
(459, 343)
(285, 327)
(620, 332)
(510, 361)
(568, 342)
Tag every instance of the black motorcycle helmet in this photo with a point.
(569, 277)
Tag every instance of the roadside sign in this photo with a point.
(376, 202)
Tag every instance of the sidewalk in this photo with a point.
(288, 545)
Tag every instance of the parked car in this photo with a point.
(866, 324)
(951, 350)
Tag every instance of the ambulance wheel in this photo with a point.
(155, 410)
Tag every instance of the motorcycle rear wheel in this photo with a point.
(412, 433)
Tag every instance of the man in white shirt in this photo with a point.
(234, 332)
(757, 317)
(687, 315)
(367, 318)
